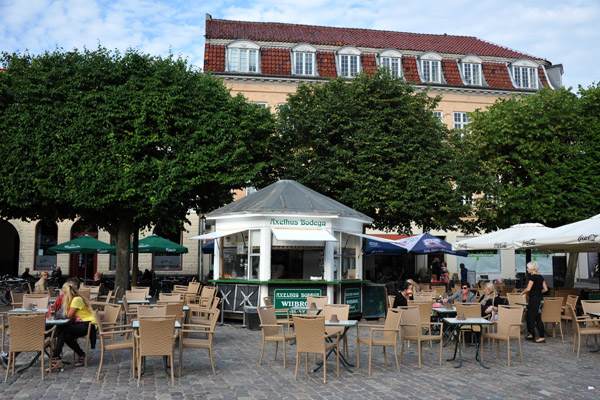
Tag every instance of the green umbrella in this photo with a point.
(157, 244)
(82, 245)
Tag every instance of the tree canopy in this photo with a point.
(373, 144)
(532, 159)
(123, 141)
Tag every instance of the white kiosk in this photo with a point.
(287, 241)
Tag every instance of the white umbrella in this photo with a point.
(503, 239)
(580, 236)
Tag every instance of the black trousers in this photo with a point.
(68, 334)
(534, 316)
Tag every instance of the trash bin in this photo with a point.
(252, 320)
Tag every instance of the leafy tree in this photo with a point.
(533, 159)
(123, 140)
(374, 144)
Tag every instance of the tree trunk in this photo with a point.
(122, 244)
(571, 267)
(136, 255)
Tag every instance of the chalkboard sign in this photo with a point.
(352, 297)
(374, 301)
(559, 271)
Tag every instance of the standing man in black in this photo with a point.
(463, 274)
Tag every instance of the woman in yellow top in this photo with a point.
(79, 311)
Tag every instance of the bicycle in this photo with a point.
(8, 284)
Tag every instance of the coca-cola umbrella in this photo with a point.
(580, 236)
(509, 238)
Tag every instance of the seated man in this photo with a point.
(41, 286)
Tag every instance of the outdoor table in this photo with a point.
(594, 314)
(298, 309)
(445, 312)
(135, 301)
(135, 324)
(457, 324)
(25, 310)
(346, 324)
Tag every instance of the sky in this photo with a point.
(563, 32)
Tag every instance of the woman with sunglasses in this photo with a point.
(463, 296)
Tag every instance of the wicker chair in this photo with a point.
(471, 310)
(311, 338)
(28, 333)
(514, 298)
(17, 298)
(582, 326)
(566, 316)
(390, 301)
(173, 308)
(412, 329)
(342, 311)
(41, 300)
(108, 335)
(388, 338)
(152, 311)
(319, 301)
(200, 315)
(155, 337)
(3, 328)
(135, 295)
(141, 289)
(189, 338)
(551, 313)
(110, 315)
(101, 305)
(170, 297)
(508, 327)
(85, 292)
(272, 331)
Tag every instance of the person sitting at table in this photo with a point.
(490, 300)
(415, 288)
(41, 286)
(463, 296)
(56, 277)
(26, 275)
(79, 311)
(403, 295)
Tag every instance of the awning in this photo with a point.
(217, 234)
(369, 237)
(307, 235)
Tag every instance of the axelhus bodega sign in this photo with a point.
(299, 223)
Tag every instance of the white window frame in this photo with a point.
(243, 56)
(525, 74)
(460, 120)
(439, 115)
(471, 70)
(348, 62)
(304, 56)
(392, 61)
(431, 67)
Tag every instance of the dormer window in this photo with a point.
(242, 56)
(431, 67)
(524, 73)
(304, 60)
(348, 62)
(392, 61)
(471, 70)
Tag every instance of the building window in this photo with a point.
(46, 233)
(461, 120)
(263, 105)
(391, 60)
(304, 63)
(431, 71)
(242, 56)
(525, 77)
(472, 73)
(439, 115)
(349, 62)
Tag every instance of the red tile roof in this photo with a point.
(451, 72)
(214, 58)
(496, 75)
(324, 35)
(326, 64)
(275, 61)
(409, 68)
(369, 64)
(543, 79)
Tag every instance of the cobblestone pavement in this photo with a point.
(549, 371)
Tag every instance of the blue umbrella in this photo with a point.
(425, 244)
(375, 247)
